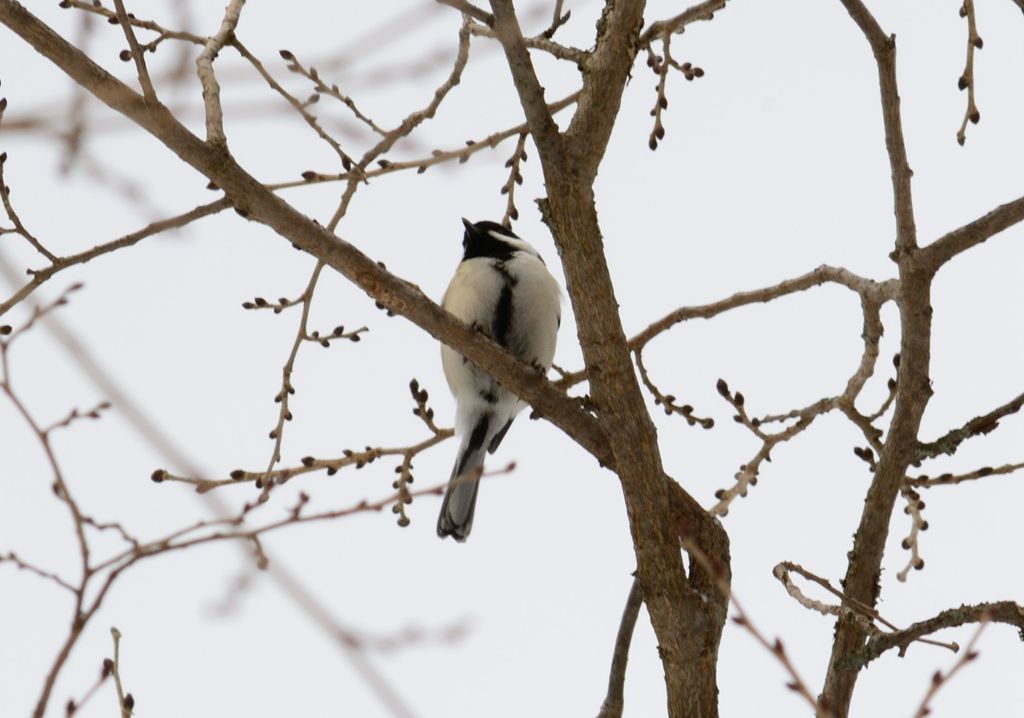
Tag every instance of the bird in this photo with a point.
(503, 289)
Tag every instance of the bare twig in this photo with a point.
(125, 701)
(913, 509)
(949, 442)
(136, 53)
(558, 19)
(857, 610)
(878, 291)
(204, 68)
(19, 228)
(308, 465)
(461, 154)
(542, 42)
(287, 389)
(966, 81)
(40, 276)
(12, 558)
(515, 177)
(701, 11)
(298, 106)
(1007, 612)
(926, 482)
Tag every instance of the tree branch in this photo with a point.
(531, 95)
(877, 291)
(136, 53)
(39, 276)
(470, 9)
(913, 388)
(204, 68)
(949, 442)
(701, 11)
(970, 235)
(884, 49)
(1007, 612)
(615, 48)
(613, 701)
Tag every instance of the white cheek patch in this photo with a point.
(515, 242)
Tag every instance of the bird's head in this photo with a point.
(490, 239)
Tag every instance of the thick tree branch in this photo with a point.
(970, 235)
(531, 95)
(913, 389)
(615, 48)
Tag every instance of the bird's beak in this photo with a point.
(468, 225)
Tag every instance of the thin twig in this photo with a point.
(136, 53)
(966, 81)
(40, 276)
(204, 68)
(125, 701)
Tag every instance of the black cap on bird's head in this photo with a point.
(490, 239)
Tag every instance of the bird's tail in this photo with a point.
(459, 501)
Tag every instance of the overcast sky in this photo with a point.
(773, 163)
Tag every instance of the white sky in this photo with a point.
(773, 163)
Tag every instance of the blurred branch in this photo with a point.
(468, 8)
(40, 276)
(462, 154)
(541, 42)
(939, 680)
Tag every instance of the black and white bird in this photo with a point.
(503, 289)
